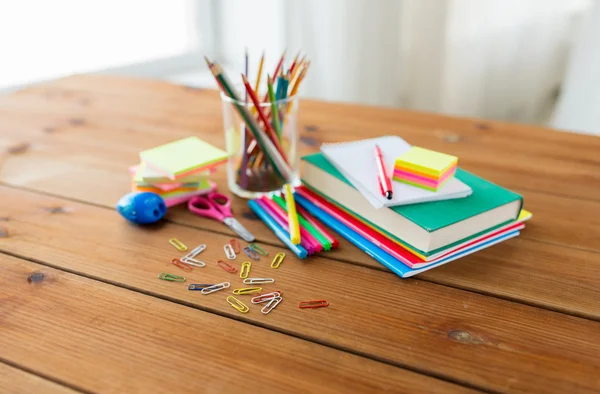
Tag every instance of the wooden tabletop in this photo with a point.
(522, 316)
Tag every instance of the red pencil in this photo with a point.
(385, 183)
(264, 119)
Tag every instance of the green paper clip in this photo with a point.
(258, 249)
(171, 277)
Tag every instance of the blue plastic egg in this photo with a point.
(142, 207)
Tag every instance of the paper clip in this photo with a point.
(258, 249)
(178, 244)
(237, 304)
(277, 260)
(245, 271)
(227, 267)
(217, 287)
(199, 286)
(235, 244)
(259, 299)
(258, 281)
(271, 305)
(247, 290)
(229, 252)
(189, 258)
(171, 277)
(179, 264)
(251, 253)
(313, 304)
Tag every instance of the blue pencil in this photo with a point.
(277, 229)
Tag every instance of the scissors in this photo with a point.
(217, 206)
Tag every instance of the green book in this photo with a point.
(427, 227)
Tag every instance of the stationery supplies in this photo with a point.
(277, 260)
(245, 271)
(318, 226)
(218, 206)
(237, 304)
(247, 290)
(190, 257)
(217, 287)
(425, 227)
(227, 267)
(259, 299)
(251, 253)
(178, 244)
(199, 286)
(277, 230)
(235, 244)
(292, 215)
(229, 252)
(183, 157)
(179, 264)
(258, 249)
(354, 161)
(258, 281)
(313, 304)
(171, 277)
(271, 305)
(424, 168)
(385, 184)
(142, 208)
(320, 239)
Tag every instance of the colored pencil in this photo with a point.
(318, 226)
(274, 112)
(259, 75)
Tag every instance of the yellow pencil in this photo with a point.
(294, 226)
(260, 67)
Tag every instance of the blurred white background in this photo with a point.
(532, 61)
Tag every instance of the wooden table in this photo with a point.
(522, 316)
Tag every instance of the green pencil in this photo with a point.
(274, 112)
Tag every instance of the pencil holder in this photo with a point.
(250, 171)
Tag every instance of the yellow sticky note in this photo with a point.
(426, 161)
(183, 156)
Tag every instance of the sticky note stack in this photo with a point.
(178, 170)
(424, 168)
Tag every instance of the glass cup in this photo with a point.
(250, 174)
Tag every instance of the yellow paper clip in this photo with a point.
(237, 304)
(245, 271)
(247, 290)
(178, 244)
(277, 260)
(258, 249)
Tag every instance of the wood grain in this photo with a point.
(464, 337)
(106, 339)
(16, 381)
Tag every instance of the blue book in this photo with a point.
(380, 255)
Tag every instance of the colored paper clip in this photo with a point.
(313, 304)
(178, 244)
(217, 287)
(171, 277)
(237, 304)
(258, 281)
(179, 264)
(245, 271)
(251, 253)
(277, 260)
(199, 286)
(229, 252)
(235, 244)
(271, 305)
(258, 249)
(247, 290)
(259, 299)
(227, 267)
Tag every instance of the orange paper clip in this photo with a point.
(227, 267)
(181, 264)
(313, 304)
(235, 245)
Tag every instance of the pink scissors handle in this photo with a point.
(221, 202)
(202, 206)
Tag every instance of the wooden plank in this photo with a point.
(107, 339)
(486, 147)
(485, 342)
(16, 381)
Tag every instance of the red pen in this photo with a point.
(385, 184)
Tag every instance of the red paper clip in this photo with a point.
(313, 304)
(181, 264)
(227, 267)
(235, 245)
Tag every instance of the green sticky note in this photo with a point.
(426, 161)
(183, 157)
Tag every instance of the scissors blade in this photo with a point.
(240, 230)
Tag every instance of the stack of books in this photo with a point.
(178, 170)
(407, 237)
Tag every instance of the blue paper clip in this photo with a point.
(251, 253)
(199, 286)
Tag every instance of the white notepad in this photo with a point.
(356, 161)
